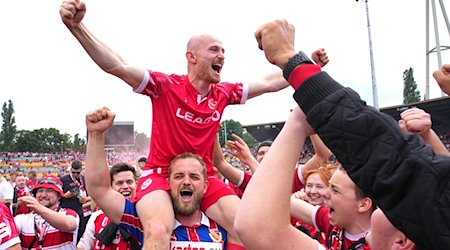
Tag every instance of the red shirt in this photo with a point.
(22, 209)
(31, 183)
(8, 231)
(183, 121)
(334, 235)
(52, 237)
(97, 222)
(296, 186)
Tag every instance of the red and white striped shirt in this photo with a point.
(8, 231)
(52, 238)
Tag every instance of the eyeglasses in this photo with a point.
(76, 172)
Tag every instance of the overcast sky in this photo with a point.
(53, 83)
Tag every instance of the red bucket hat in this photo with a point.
(49, 181)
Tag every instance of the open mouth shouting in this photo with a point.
(186, 195)
(217, 67)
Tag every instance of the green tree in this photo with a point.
(249, 139)
(9, 128)
(141, 142)
(234, 127)
(42, 140)
(410, 92)
(78, 145)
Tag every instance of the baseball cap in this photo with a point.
(49, 181)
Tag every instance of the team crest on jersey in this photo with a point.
(215, 235)
(212, 104)
(146, 183)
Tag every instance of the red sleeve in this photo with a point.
(235, 92)
(8, 230)
(297, 184)
(71, 212)
(321, 219)
(236, 190)
(301, 73)
(246, 180)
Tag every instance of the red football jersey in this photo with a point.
(336, 237)
(183, 121)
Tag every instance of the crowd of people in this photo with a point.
(386, 186)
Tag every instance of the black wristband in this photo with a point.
(297, 59)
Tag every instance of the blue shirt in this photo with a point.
(206, 231)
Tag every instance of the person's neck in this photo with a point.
(359, 225)
(200, 85)
(54, 207)
(190, 220)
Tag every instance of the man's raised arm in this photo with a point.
(72, 13)
(97, 175)
(276, 169)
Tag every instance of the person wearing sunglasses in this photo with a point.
(48, 225)
(75, 194)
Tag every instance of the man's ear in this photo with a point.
(365, 205)
(206, 185)
(191, 57)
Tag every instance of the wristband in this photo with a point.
(296, 60)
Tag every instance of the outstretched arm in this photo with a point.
(97, 175)
(276, 199)
(72, 13)
(302, 210)
(276, 82)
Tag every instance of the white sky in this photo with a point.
(53, 83)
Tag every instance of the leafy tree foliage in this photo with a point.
(79, 145)
(410, 92)
(9, 129)
(234, 127)
(42, 140)
(141, 142)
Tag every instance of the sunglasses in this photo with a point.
(49, 181)
(76, 172)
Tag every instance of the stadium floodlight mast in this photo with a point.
(372, 64)
(438, 47)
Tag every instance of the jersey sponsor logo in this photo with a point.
(146, 183)
(189, 245)
(190, 117)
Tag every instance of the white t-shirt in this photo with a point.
(6, 191)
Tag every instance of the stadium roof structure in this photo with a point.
(439, 108)
(265, 132)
